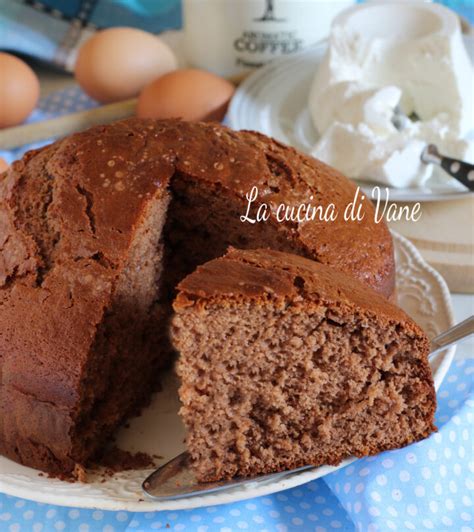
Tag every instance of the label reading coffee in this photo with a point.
(231, 37)
(273, 43)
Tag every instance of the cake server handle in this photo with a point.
(460, 170)
(452, 336)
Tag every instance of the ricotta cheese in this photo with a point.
(384, 58)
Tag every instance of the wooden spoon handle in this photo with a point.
(14, 137)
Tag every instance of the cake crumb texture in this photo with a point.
(285, 362)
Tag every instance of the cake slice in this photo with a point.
(285, 362)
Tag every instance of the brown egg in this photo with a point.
(3, 165)
(189, 94)
(19, 90)
(115, 64)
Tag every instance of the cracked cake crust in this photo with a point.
(94, 234)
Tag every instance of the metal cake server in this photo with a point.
(460, 170)
(452, 336)
(176, 480)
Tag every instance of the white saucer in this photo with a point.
(273, 100)
(421, 292)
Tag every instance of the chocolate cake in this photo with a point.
(285, 362)
(95, 232)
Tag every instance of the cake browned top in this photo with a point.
(103, 176)
(265, 274)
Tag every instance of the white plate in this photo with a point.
(273, 100)
(422, 293)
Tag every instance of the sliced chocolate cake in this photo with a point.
(285, 362)
(96, 230)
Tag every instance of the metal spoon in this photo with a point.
(460, 170)
(175, 479)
